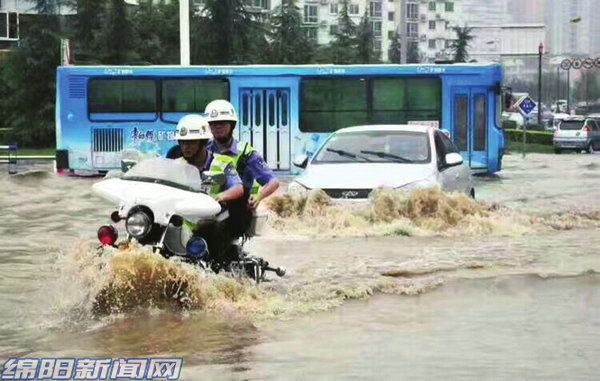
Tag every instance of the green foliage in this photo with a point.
(342, 50)
(365, 42)
(289, 43)
(28, 78)
(413, 55)
(395, 51)
(232, 36)
(157, 25)
(460, 46)
(536, 137)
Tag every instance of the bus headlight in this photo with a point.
(138, 224)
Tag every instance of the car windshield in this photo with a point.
(571, 125)
(376, 146)
(175, 173)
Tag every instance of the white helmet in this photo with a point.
(220, 110)
(193, 127)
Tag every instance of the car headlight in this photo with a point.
(297, 189)
(420, 184)
(138, 224)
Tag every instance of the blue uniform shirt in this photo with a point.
(257, 169)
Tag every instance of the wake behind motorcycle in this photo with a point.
(166, 205)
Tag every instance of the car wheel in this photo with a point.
(590, 148)
(472, 193)
(557, 151)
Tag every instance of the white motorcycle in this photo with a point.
(165, 204)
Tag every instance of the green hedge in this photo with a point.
(5, 136)
(537, 137)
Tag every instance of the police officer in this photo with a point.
(193, 134)
(258, 179)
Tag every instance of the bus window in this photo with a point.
(398, 100)
(480, 118)
(460, 121)
(191, 95)
(389, 100)
(328, 104)
(110, 99)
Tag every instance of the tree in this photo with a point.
(289, 42)
(365, 41)
(342, 50)
(157, 25)
(118, 38)
(413, 55)
(88, 26)
(395, 50)
(29, 76)
(460, 46)
(232, 36)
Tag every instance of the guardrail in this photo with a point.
(9, 155)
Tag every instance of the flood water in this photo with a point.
(512, 291)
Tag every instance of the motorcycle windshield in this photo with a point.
(173, 173)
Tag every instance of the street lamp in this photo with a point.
(540, 52)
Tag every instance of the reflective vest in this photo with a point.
(218, 165)
(244, 151)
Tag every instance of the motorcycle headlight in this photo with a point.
(297, 189)
(138, 224)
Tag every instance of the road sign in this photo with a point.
(565, 64)
(525, 105)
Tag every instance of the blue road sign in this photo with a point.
(526, 105)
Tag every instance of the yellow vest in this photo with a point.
(246, 149)
(218, 165)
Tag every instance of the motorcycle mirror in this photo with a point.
(177, 221)
(216, 178)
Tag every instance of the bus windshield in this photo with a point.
(175, 173)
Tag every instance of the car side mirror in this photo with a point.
(453, 159)
(301, 161)
(214, 178)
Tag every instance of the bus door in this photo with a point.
(265, 123)
(469, 124)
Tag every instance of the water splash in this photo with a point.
(424, 212)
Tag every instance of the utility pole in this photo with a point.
(403, 32)
(540, 52)
(184, 32)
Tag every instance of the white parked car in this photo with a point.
(356, 160)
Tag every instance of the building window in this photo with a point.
(391, 34)
(446, 24)
(412, 11)
(432, 6)
(262, 4)
(449, 7)
(333, 29)
(447, 44)
(390, 16)
(311, 33)
(431, 25)
(310, 14)
(333, 8)
(376, 29)
(412, 29)
(431, 44)
(375, 9)
(353, 9)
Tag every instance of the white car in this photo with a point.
(356, 160)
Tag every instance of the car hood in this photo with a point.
(363, 175)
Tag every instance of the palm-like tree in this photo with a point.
(460, 46)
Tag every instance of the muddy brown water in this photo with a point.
(514, 300)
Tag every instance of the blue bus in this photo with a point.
(284, 110)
